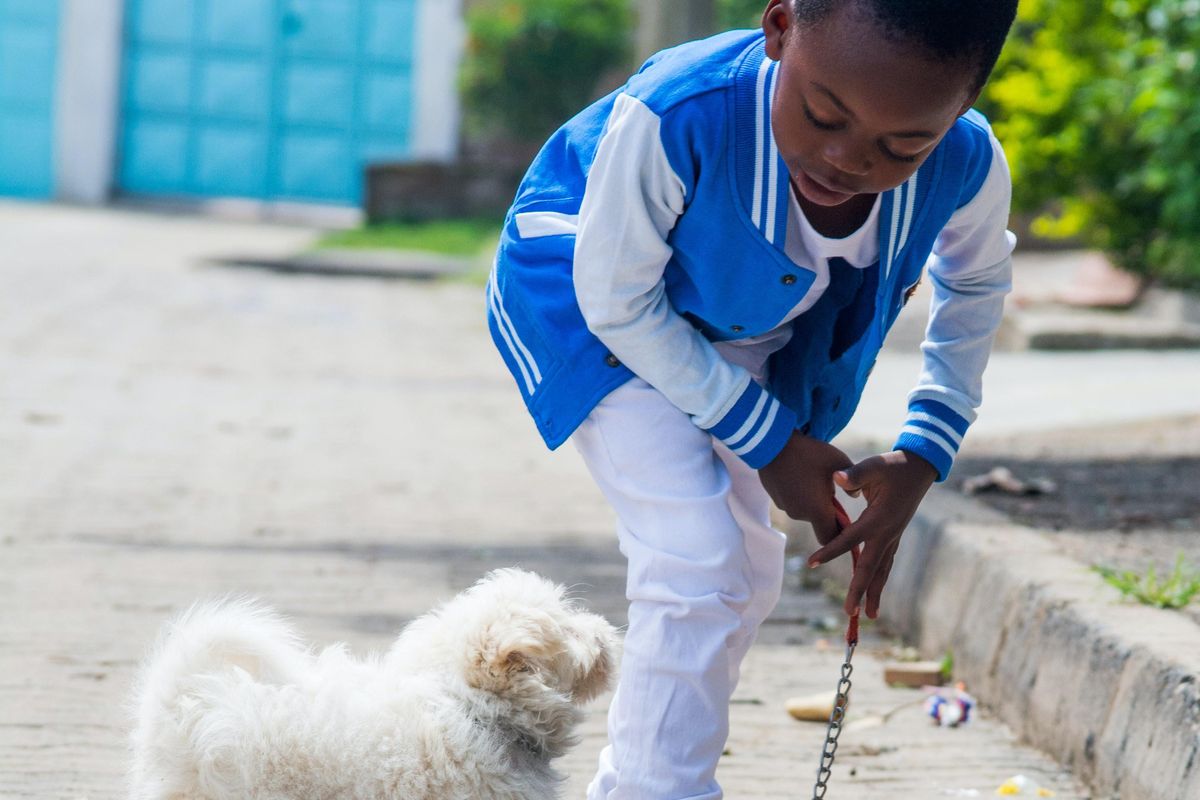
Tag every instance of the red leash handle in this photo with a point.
(843, 520)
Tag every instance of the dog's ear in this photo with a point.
(507, 650)
(595, 656)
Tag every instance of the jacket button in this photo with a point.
(788, 280)
(737, 328)
(805, 428)
(612, 360)
(837, 402)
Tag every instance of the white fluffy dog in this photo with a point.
(472, 702)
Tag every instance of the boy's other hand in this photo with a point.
(800, 482)
(894, 485)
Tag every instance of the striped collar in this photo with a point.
(762, 176)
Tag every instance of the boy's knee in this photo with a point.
(694, 590)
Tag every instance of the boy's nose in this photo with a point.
(848, 161)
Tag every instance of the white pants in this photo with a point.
(705, 568)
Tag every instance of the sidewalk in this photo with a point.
(772, 757)
(350, 450)
(78, 615)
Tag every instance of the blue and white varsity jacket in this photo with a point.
(652, 225)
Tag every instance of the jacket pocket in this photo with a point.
(539, 224)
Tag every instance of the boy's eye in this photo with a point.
(825, 126)
(836, 126)
(894, 157)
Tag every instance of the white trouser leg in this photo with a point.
(704, 569)
(765, 548)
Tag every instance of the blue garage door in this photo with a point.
(268, 99)
(28, 66)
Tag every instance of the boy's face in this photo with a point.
(854, 112)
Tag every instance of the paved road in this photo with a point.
(352, 451)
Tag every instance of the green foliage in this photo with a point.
(532, 64)
(740, 13)
(1098, 105)
(946, 668)
(1174, 591)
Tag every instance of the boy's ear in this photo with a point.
(776, 23)
(970, 101)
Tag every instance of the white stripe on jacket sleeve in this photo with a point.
(632, 201)
(971, 272)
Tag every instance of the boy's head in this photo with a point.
(867, 88)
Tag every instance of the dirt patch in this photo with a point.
(1124, 478)
(1126, 495)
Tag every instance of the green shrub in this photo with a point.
(739, 13)
(532, 64)
(1098, 105)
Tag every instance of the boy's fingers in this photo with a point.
(846, 482)
(860, 580)
(843, 519)
(854, 478)
(875, 590)
(826, 528)
(844, 541)
(872, 564)
(839, 545)
(834, 522)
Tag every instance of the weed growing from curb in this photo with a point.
(1176, 590)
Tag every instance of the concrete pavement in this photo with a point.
(1109, 687)
(352, 451)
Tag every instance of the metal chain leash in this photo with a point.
(842, 699)
(835, 726)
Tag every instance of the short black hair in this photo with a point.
(948, 30)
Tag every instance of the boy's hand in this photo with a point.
(800, 482)
(894, 484)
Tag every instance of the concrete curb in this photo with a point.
(1075, 329)
(1106, 687)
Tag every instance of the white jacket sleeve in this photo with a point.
(632, 201)
(971, 272)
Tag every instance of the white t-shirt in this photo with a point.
(807, 248)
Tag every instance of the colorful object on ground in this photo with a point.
(1020, 785)
(950, 708)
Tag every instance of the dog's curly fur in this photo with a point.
(473, 700)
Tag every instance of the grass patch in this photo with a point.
(1175, 590)
(947, 666)
(451, 237)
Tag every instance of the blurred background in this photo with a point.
(243, 348)
(414, 109)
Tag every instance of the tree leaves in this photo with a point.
(1097, 103)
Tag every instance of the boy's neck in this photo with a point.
(837, 222)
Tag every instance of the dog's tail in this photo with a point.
(217, 635)
(209, 639)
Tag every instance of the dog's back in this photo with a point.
(474, 700)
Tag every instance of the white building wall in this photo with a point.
(441, 36)
(88, 106)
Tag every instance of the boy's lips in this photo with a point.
(820, 190)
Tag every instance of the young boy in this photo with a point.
(693, 285)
